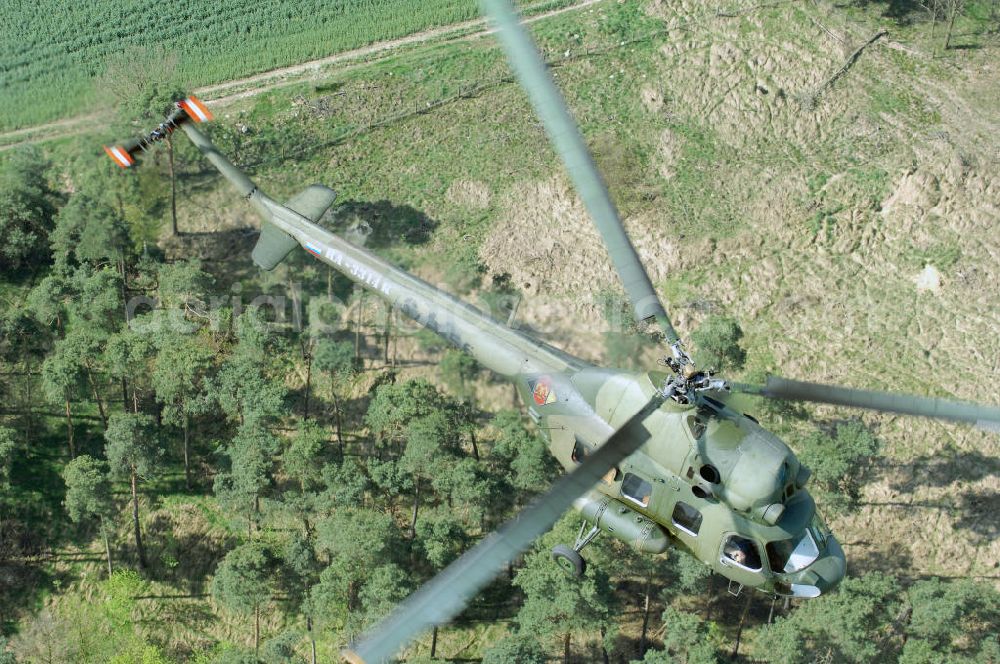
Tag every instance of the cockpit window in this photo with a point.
(742, 552)
(791, 555)
(580, 451)
(636, 489)
(687, 518)
(819, 529)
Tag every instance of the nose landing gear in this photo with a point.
(569, 558)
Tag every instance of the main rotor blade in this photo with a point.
(444, 596)
(987, 417)
(565, 136)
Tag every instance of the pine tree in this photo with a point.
(717, 341)
(845, 626)
(336, 359)
(251, 455)
(26, 212)
(839, 462)
(243, 582)
(88, 496)
(133, 452)
(557, 605)
(180, 379)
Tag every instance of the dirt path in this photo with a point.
(221, 94)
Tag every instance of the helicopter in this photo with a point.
(657, 459)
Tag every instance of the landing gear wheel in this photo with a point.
(570, 560)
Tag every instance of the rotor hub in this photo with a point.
(687, 379)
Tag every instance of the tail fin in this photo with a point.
(274, 244)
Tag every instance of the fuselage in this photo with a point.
(707, 483)
(709, 480)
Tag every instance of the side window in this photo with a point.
(742, 552)
(686, 518)
(636, 489)
(580, 451)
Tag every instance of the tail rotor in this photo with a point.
(190, 108)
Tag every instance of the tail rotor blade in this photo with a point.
(565, 137)
(986, 417)
(444, 596)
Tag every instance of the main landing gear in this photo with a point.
(569, 558)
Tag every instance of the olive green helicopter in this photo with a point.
(655, 459)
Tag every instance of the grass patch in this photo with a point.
(699, 200)
(58, 49)
(942, 256)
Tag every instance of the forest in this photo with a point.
(200, 462)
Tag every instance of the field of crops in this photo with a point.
(51, 52)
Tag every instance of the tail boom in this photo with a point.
(496, 346)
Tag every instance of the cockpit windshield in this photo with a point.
(794, 554)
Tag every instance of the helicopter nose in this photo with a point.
(831, 567)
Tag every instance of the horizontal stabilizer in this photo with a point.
(312, 201)
(274, 244)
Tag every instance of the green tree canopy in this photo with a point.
(242, 580)
(181, 368)
(6, 656)
(458, 369)
(839, 462)
(133, 451)
(847, 624)
(182, 283)
(47, 302)
(27, 207)
(96, 298)
(248, 386)
(88, 491)
(132, 445)
(88, 230)
(441, 537)
(334, 357)
(717, 344)
(557, 605)
(952, 621)
(523, 649)
(302, 458)
(281, 649)
(88, 496)
(8, 444)
(363, 579)
(251, 455)
(522, 456)
(395, 405)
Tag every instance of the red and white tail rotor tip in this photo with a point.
(120, 156)
(196, 109)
